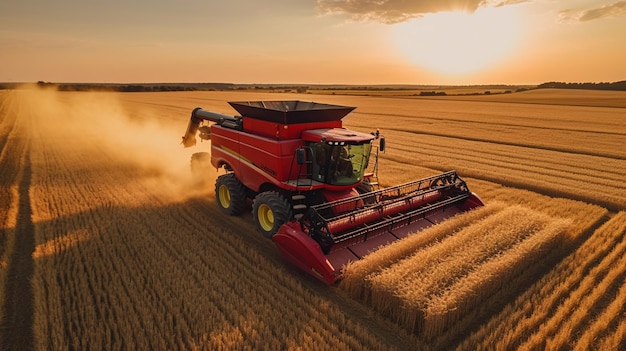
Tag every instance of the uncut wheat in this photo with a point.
(544, 305)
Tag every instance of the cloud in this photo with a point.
(615, 9)
(394, 11)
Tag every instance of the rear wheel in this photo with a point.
(230, 194)
(270, 210)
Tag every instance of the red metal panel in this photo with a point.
(439, 217)
(473, 202)
(340, 193)
(304, 252)
(372, 244)
(272, 156)
(280, 131)
(225, 147)
(270, 146)
(254, 159)
(336, 134)
(339, 258)
(413, 227)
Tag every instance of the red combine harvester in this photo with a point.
(309, 182)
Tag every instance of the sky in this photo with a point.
(448, 42)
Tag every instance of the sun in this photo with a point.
(458, 43)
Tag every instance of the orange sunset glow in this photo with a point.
(315, 42)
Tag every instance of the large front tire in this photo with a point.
(230, 194)
(270, 210)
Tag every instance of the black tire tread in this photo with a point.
(280, 207)
(237, 194)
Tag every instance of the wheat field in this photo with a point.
(449, 274)
(105, 243)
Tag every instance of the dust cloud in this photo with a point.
(136, 134)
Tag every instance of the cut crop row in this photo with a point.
(547, 159)
(428, 291)
(475, 160)
(558, 128)
(578, 303)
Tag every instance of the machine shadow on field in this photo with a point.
(16, 332)
(144, 244)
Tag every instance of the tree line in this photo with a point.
(153, 87)
(621, 85)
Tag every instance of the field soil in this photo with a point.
(106, 243)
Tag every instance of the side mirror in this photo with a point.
(381, 147)
(300, 156)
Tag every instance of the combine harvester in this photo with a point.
(309, 182)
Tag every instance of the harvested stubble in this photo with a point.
(546, 315)
(94, 217)
(589, 178)
(431, 289)
(559, 330)
(584, 216)
(13, 153)
(610, 315)
(121, 263)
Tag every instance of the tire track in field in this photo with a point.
(465, 121)
(523, 184)
(7, 174)
(517, 162)
(524, 145)
(384, 330)
(7, 122)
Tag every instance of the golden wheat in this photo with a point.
(455, 302)
(556, 331)
(603, 321)
(13, 153)
(123, 261)
(614, 340)
(355, 275)
(538, 314)
(120, 264)
(588, 178)
(535, 147)
(447, 275)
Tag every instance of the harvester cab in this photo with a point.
(337, 157)
(312, 183)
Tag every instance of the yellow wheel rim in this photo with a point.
(265, 217)
(224, 196)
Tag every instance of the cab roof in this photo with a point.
(336, 135)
